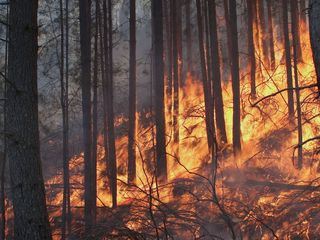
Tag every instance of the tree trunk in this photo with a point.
(95, 114)
(295, 17)
(23, 151)
(168, 88)
(227, 19)
(234, 53)
(188, 36)
(110, 118)
(295, 40)
(85, 44)
(3, 154)
(314, 25)
(216, 76)
(103, 53)
(303, 14)
(271, 39)
(65, 130)
(158, 79)
(206, 89)
(68, 215)
(257, 37)
(175, 9)
(251, 48)
(288, 59)
(263, 32)
(132, 96)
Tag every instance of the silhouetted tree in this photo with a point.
(314, 20)
(270, 36)
(288, 58)
(234, 54)
(295, 17)
(206, 88)
(295, 43)
(216, 76)
(158, 79)
(23, 146)
(251, 48)
(85, 48)
(64, 99)
(132, 96)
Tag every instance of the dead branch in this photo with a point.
(281, 91)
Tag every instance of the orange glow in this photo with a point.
(267, 155)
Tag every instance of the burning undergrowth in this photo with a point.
(260, 194)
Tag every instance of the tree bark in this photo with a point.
(168, 88)
(314, 25)
(216, 76)
(3, 158)
(85, 48)
(295, 42)
(23, 151)
(251, 48)
(110, 118)
(271, 38)
(206, 89)
(176, 54)
(102, 22)
(188, 36)
(303, 13)
(295, 17)
(288, 59)
(69, 213)
(234, 53)
(263, 32)
(158, 79)
(95, 114)
(65, 128)
(132, 96)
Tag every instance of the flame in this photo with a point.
(268, 142)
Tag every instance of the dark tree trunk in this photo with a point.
(314, 21)
(65, 129)
(132, 96)
(251, 47)
(85, 44)
(102, 22)
(175, 15)
(257, 36)
(263, 32)
(288, 59)
(216, 76)
(205, 14)
(188, 36)
(68, 204)
(168, 88)
(270, 36)
(295, 17)
(23, 151)
(179, 45)
(303, 13)
(95, 113)
(112, 162)
(295, 34)
(3, 154)
(234, 53)
(206, 89)
(158, 79)
(229, 37)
